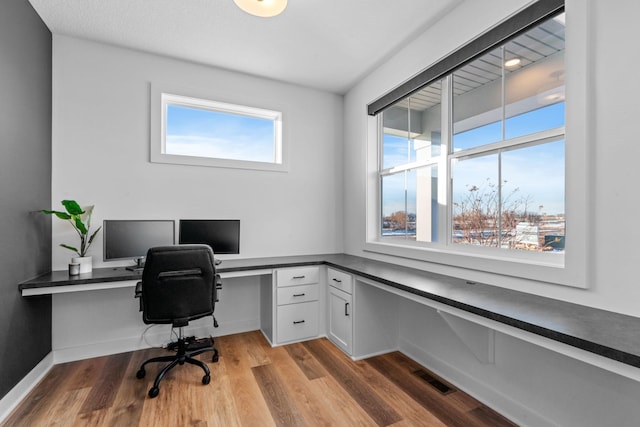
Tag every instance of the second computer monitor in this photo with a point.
(223, 235)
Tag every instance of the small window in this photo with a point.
(202, 132)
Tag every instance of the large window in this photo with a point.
(474, 161)
(203, 132)
(507, 144)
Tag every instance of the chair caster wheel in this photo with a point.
(215, 358)
(206, 379)
(140, 374)
(153, 392)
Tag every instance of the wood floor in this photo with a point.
(304, 384)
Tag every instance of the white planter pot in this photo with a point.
(86, 263)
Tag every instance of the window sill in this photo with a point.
(550, 268)
(157, 157)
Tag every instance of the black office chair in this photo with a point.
(179, 284)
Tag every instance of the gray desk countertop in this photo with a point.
(612, 335)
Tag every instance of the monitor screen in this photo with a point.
(131, 239)
(223, 235)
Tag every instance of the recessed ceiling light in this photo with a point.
(262, 8)
(512, 62)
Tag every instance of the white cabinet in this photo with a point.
(296, 276)
(297, 304)
(340, 310)
(296, 294)
(297, 321)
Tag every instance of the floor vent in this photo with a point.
(436, 383)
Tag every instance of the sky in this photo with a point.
(535, 173)
(206, 133)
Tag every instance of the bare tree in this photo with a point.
(487, 215)
(396, 221)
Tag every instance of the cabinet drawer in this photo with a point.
(296, 294)
(340, 280)
(297, 321)
(296, 276)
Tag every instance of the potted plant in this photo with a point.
(80, 220)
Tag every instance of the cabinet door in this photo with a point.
(340, 319)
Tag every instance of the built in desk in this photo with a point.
(606, 339)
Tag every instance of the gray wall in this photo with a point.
(25, 185)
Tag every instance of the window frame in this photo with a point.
(163, 95)
(574, 269)
(445, 190)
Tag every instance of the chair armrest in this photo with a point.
(217, 286)
(138, 293)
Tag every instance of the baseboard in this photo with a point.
(491, 397)
(9, 402)
(87, 351)
(292, 342)
(151, 338)
(374, 354)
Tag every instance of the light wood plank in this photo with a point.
(33, 410)
(307, 364)
(281, 405)
(253, 384)
(443, 408)
(128, 404)
(104, 392)
(66, 408)
(217, 399)
(251, 406)
(308, 398)
(341, 369)
(412, 411)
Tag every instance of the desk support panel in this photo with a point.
(480, 340)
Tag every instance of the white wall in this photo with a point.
(610, 129)
(529, 384)
(100, 156)
(101, 116)
(111, 321)
(533, 385)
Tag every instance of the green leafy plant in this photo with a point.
(80, 219)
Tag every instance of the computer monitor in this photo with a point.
(131, 239)
(223, 235)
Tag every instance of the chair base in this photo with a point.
(182, 356)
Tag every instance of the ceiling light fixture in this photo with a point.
(262, 8)
(512, 62)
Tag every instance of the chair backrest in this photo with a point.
(178, 284)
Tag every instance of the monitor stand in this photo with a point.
(139, 265)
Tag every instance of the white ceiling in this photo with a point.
(323, 44)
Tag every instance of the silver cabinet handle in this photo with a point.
(298, 277)
(337, 280)
(296, 322)
(298, 295)
(346, 308)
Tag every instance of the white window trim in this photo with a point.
(162, 95)
(573, 268)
